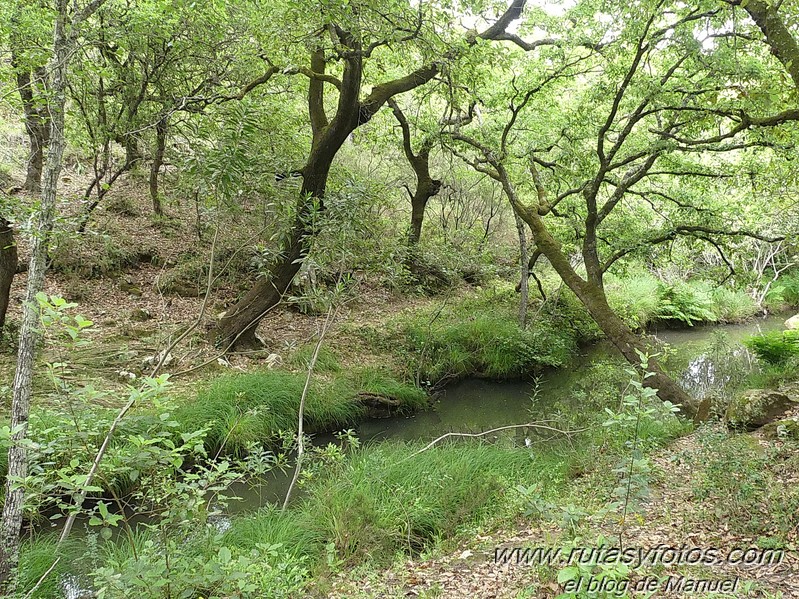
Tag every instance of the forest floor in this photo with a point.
(142, 282)
(671, 517)
(118, 283)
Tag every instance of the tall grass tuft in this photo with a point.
(480, 336)
(247, 408)
(37, 556)
(387, 503)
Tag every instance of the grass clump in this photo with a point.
(480, 336)
(635, 298)
(377, 381)
(776, 348)
(732, 305)
(240, 410)
(383, 502)
(36, 556)
(272, 526)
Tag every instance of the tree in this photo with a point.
(65, 37)
(630, 129)
(426, 186)
(29, 71)
(350, 45)
(8, 266)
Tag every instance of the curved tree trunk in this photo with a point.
(593, 297)
(426, 186)
(8, 266)
(157, 163)
(237, 328)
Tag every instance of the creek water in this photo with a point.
(478, 405)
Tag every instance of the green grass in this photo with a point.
(381, 503)
(326, 361)
(254, 408)
(634, 298)
(240, 410)
(378, 381)
(480, 336)
(270, 525)
(37, 556)
(732, 305)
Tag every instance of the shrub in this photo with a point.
(775, 347)
(684, 302)
(784, 292)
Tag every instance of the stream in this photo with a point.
(477, 405)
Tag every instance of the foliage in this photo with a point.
(202, 567)
(775, 347)
(685, 303)
(480, 336)
(241, 409)
(384, 502)
(784, 292)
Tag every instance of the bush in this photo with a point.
(685, 302)
(775, 347)
(784, 293)
(480, 336)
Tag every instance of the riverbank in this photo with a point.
(394, 357)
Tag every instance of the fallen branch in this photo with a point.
(495, 430)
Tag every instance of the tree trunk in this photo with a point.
(157, 163)
(36, 125)
(236, 330)
(524, 267)
(8, 266)
(132, 151)
(593, 298)
(418, 205)
(11, 523)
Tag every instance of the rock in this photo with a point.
(151, 361)
(128, 286)
(792, 323)
(757, 407)
(781, 429)
(140, 315)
